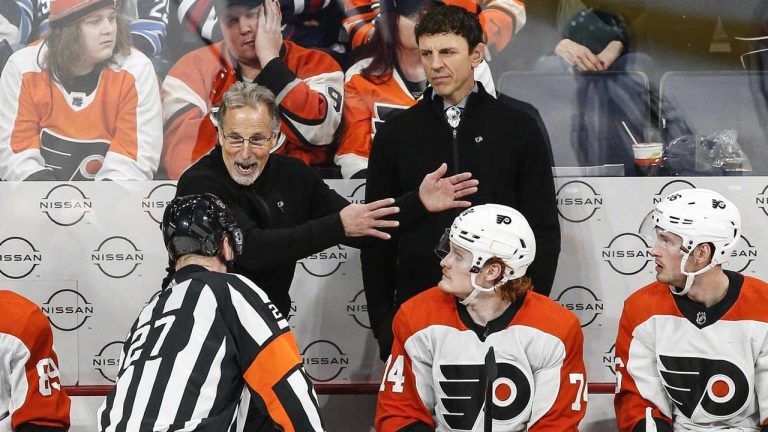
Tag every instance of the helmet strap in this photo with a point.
(689, 277)
(477, 289)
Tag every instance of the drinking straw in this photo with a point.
(626, 128)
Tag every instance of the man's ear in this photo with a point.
(226, 249)
(492, 272)
(704, 252)
(477, 54)
(220, 135)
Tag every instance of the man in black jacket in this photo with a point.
(457, 123)
(284, 208)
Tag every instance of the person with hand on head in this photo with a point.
(211, 344)
(81, 104)
(480, 351)
(31, 396)
(692, 347)
(308, 85)
(456, 124)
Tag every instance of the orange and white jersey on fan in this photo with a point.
(503, 17)
(368, 104)
(30, 384)
(435, 374)
(114, 133)
(308, 85)
(685, 367)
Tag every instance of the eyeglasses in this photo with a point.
(256, 142)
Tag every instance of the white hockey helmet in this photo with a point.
(697, 216)
(492, 230)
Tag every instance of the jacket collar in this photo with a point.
(439, 103)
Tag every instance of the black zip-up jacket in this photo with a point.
(503, 147)
(287, 214)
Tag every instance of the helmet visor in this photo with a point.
(443, 247)
(658, 237)
(647, 228)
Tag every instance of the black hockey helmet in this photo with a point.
(198, 224)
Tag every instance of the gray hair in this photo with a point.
(245, 94)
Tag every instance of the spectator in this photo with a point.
(692, 347)
(513, 359)
(501, 145)
(500, 19)
(31, 397)
(169, 29)
(597, 39)
(285, 210)
(196, 349)
(81, 104)
(23, 21)
(308, 84)
(389, 81)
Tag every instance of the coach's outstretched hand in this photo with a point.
(365, 219)
(439, 193)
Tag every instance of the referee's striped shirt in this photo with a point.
(193, 349)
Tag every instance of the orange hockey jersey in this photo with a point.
(368, 104)
(436, 370)
(308, 85)
(500, 18)
(706, 368)
(112, 133)
(31, 387)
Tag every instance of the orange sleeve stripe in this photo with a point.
(270, 366)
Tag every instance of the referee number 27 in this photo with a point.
(140, 337)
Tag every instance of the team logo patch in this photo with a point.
(463, 393)
(382, 113)
(719, 388)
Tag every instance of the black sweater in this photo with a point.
(501, 146)
(289, 213)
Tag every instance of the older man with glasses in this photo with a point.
(285, 209)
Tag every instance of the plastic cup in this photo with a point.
(647, 157)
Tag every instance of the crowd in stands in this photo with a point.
(338, 70)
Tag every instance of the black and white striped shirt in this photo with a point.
(193, 349)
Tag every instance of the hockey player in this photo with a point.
(481, 345)
(692, 347)
(210, 336)
(31, 397)
(81, 104)
(308, 85)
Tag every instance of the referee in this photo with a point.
(196, 350)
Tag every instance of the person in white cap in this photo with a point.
(81, 104)
(481, 351)
(692, 347)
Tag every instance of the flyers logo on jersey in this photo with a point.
(383, 112)
(718, 387)
(462, 393)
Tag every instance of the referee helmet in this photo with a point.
(198, 224)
